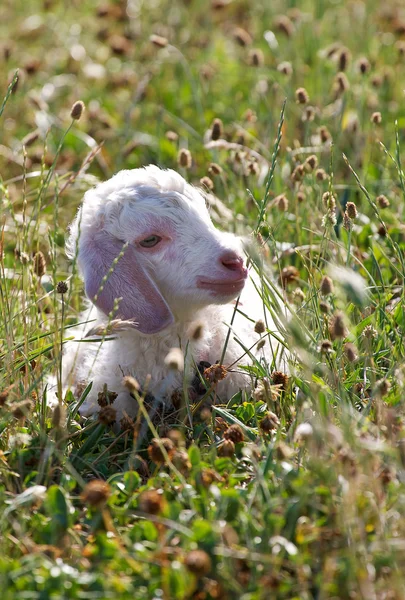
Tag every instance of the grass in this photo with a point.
(310, 500)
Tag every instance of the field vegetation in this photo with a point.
(292, 114)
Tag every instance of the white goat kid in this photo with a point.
(151, 256)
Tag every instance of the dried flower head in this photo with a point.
(311, 162)
(376, 118)
(227, 448)
(39, 264)
(207, 183)
(324, 307)
(383, 201)
(284, 24)
(281, 202)
(198, 563)
(298, 296)
(156, 453)
(400, 46)
(285, 68)
(106, 397)
(265, 391)
(326, 286)
(326, 347)
(151, 502)
(340, 84)
(351, 210)
(96, 493)
(363, 65)
(350, 351)
(215, 373)
(308, 114)
(298, 173)
(281, 379)
(181, 461)
(301, 96)
(131, 384)
(172, 136)
(216, 129)
(62, 287)
(369, 332)
(242, 36)
(270, 422)
(260, 344)
(300, 197)
(107, 415)
(324, 134)
(321, 175)
(343, 58)
(174, 360)
(234, 433)
(127, 423)
(337, 327)
(256, 57)
(382, 388)
(329, 201)
(214, 169)
(288, 275)
(159, 41)
(184, 158)
(260, 326)
(77, 110)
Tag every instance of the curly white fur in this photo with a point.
(192, 274)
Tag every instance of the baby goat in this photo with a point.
(152, 259)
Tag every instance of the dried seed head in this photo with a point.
(288, 275)
(256, 57)
(298, 173)
(198, 563)
(308, 114)
(174, 360)
(58, 416)
(400, 46)
(62, 287)
(260, 344)
(350, 351)
(281, 202)
(269, 423)
(22, 409)
(150, 502)
(234, 433)
(363, 65)
(376, 118)
(337, 327)
(311, 162)
(260, 326)
(107, 415)
(196, 331)
(39, 264)
(182, 462)
(340, 84)
(351, 210)
(127, 424)
(376, 80)
(321, 175)
(207, 183)
(265, 391)
(215, 373)
(382, 387)
(324, 134)
(347, 222)
(131, 384)
(214, 169)
(283, 24)
(216, 129)
(106, 397)
(300, 197)
(324, 307)
(285, 68)
(96, 493)
(172, 136)
(382, 231)
(343, 59)
(77, 110)
(227, 448)
(326, 347)
(242, 36)
(383, 201)
(369, 332)
(329, 201)
(184, 158)
(301, 96)
(159, 41)
(155, 450)
(281, 379)
(298, 296)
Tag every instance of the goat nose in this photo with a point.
(232, 261)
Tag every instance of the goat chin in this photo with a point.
(154, 266)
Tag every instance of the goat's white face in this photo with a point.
(175, 260)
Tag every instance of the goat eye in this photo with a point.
(150, 241)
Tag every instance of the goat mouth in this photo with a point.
(223, 288)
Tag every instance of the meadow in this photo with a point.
(292, 114)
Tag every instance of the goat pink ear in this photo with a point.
(140, 301)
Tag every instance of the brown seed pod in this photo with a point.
(270, 422)
(77, 110)
(96, 493)
(151, 502)
(198, 562)
(215, 373)
(281, 379)
(107, 415)
(234, 433)
(155, 450)
(227, 448)
(184, 158)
